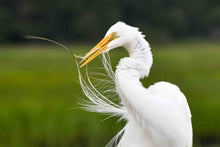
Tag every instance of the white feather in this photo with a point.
(156, 117)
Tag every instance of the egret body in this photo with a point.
(158, 116)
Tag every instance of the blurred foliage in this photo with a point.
(84, 20)
(39, 94)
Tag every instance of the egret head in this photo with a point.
(118, 35)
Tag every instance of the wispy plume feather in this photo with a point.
(96, 101)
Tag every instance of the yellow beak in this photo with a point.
(98, 49)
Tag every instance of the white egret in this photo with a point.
(158, 116)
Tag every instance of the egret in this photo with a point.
(157, 116)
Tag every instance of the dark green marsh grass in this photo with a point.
(39, 92)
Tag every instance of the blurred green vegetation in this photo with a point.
(39, 92)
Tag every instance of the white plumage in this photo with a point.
(158, 116)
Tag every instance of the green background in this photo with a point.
(39, 93)
(39, 87)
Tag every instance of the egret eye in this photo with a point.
(114, 36)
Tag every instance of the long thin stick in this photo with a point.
(42, 38)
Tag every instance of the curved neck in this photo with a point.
(140, 58)
(131, 91)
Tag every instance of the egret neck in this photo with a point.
(140, 58)
(131, 69)
(127, 80)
